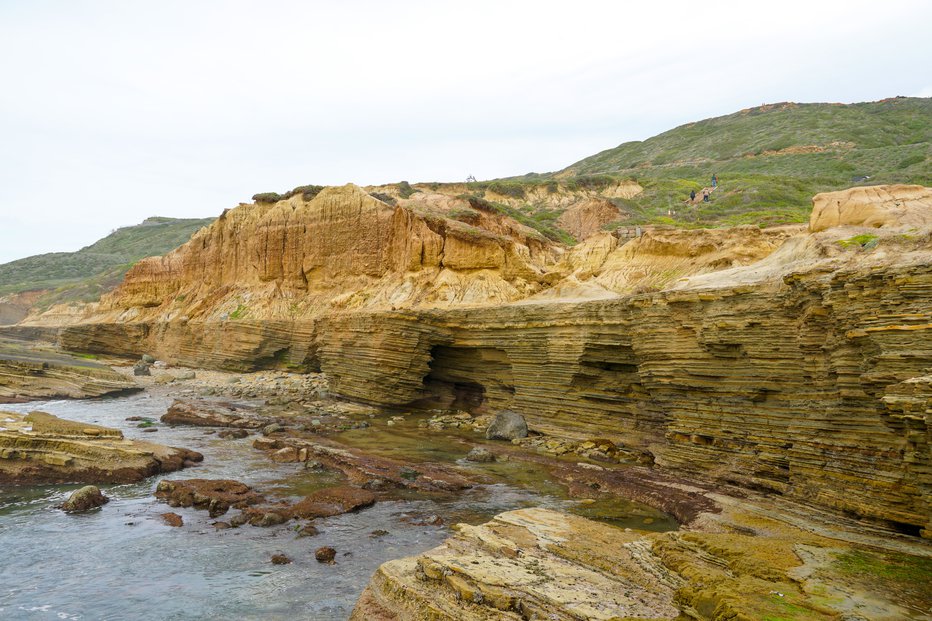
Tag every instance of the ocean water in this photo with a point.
(122, 562)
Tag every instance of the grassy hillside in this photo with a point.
(85, 274)
(769, 161)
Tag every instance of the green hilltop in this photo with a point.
(770, 161)
(94, 269)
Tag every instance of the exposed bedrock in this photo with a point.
(803, 388)
(40, 448)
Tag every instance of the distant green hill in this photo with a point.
(85, 274)
(769, 160)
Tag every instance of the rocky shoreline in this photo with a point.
(734, 551)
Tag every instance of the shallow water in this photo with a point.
(122, 562)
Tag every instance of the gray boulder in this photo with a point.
(141, 368)
(87, 498)
(148, 358)
(507, 425)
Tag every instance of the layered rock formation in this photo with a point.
(526, 564)
(540, 564)
(874, 207)
(28, 373)
(770, 359)
(41, 448)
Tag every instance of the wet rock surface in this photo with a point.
(216, 496)
(325, 555)
(87, 498)
(30, 371)
(41, 448)
(204, 413)
(507, 425)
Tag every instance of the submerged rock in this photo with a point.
(172, 519)
(280, 559)
(507, 425)
(480, 454)
(87, 498)
(325, 554)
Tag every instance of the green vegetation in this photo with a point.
(240, 312)
(770, 162)
(541, 220)
(95, 269)
(385, 198)
(906, 577)
(405, 190)
(861, 241)
(267, 197)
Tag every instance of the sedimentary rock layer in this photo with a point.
(28, 374)
(41, 448)
(873, 206)
(527, 564)
(788, 375)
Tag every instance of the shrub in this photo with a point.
(385, 198)
(909, 161)
(512, 190)
(307, 192)
(267, 197)
(405, 190)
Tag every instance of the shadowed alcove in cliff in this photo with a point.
(608, 376)
(474, 379)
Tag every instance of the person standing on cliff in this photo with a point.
(692, 196)
(705, 197)
(714, 180)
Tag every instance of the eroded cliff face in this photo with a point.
(342, 250)
(873, 206)
(772, 359)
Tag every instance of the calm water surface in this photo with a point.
(122, 562)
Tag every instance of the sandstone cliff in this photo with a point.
(873, 206)
(769, 359)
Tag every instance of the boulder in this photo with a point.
(507, 425)
(172, 519)
(148, 359)
(280, 559)
(325, 554)
(202, 413)
(141, 368)
(480, 454)
(87, 498)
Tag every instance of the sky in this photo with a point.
(114, 111)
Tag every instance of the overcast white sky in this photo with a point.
(113, 111)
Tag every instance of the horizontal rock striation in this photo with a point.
(781, 390)
(785, 371)
(526, 564)
(41, 448)
(28, 381)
